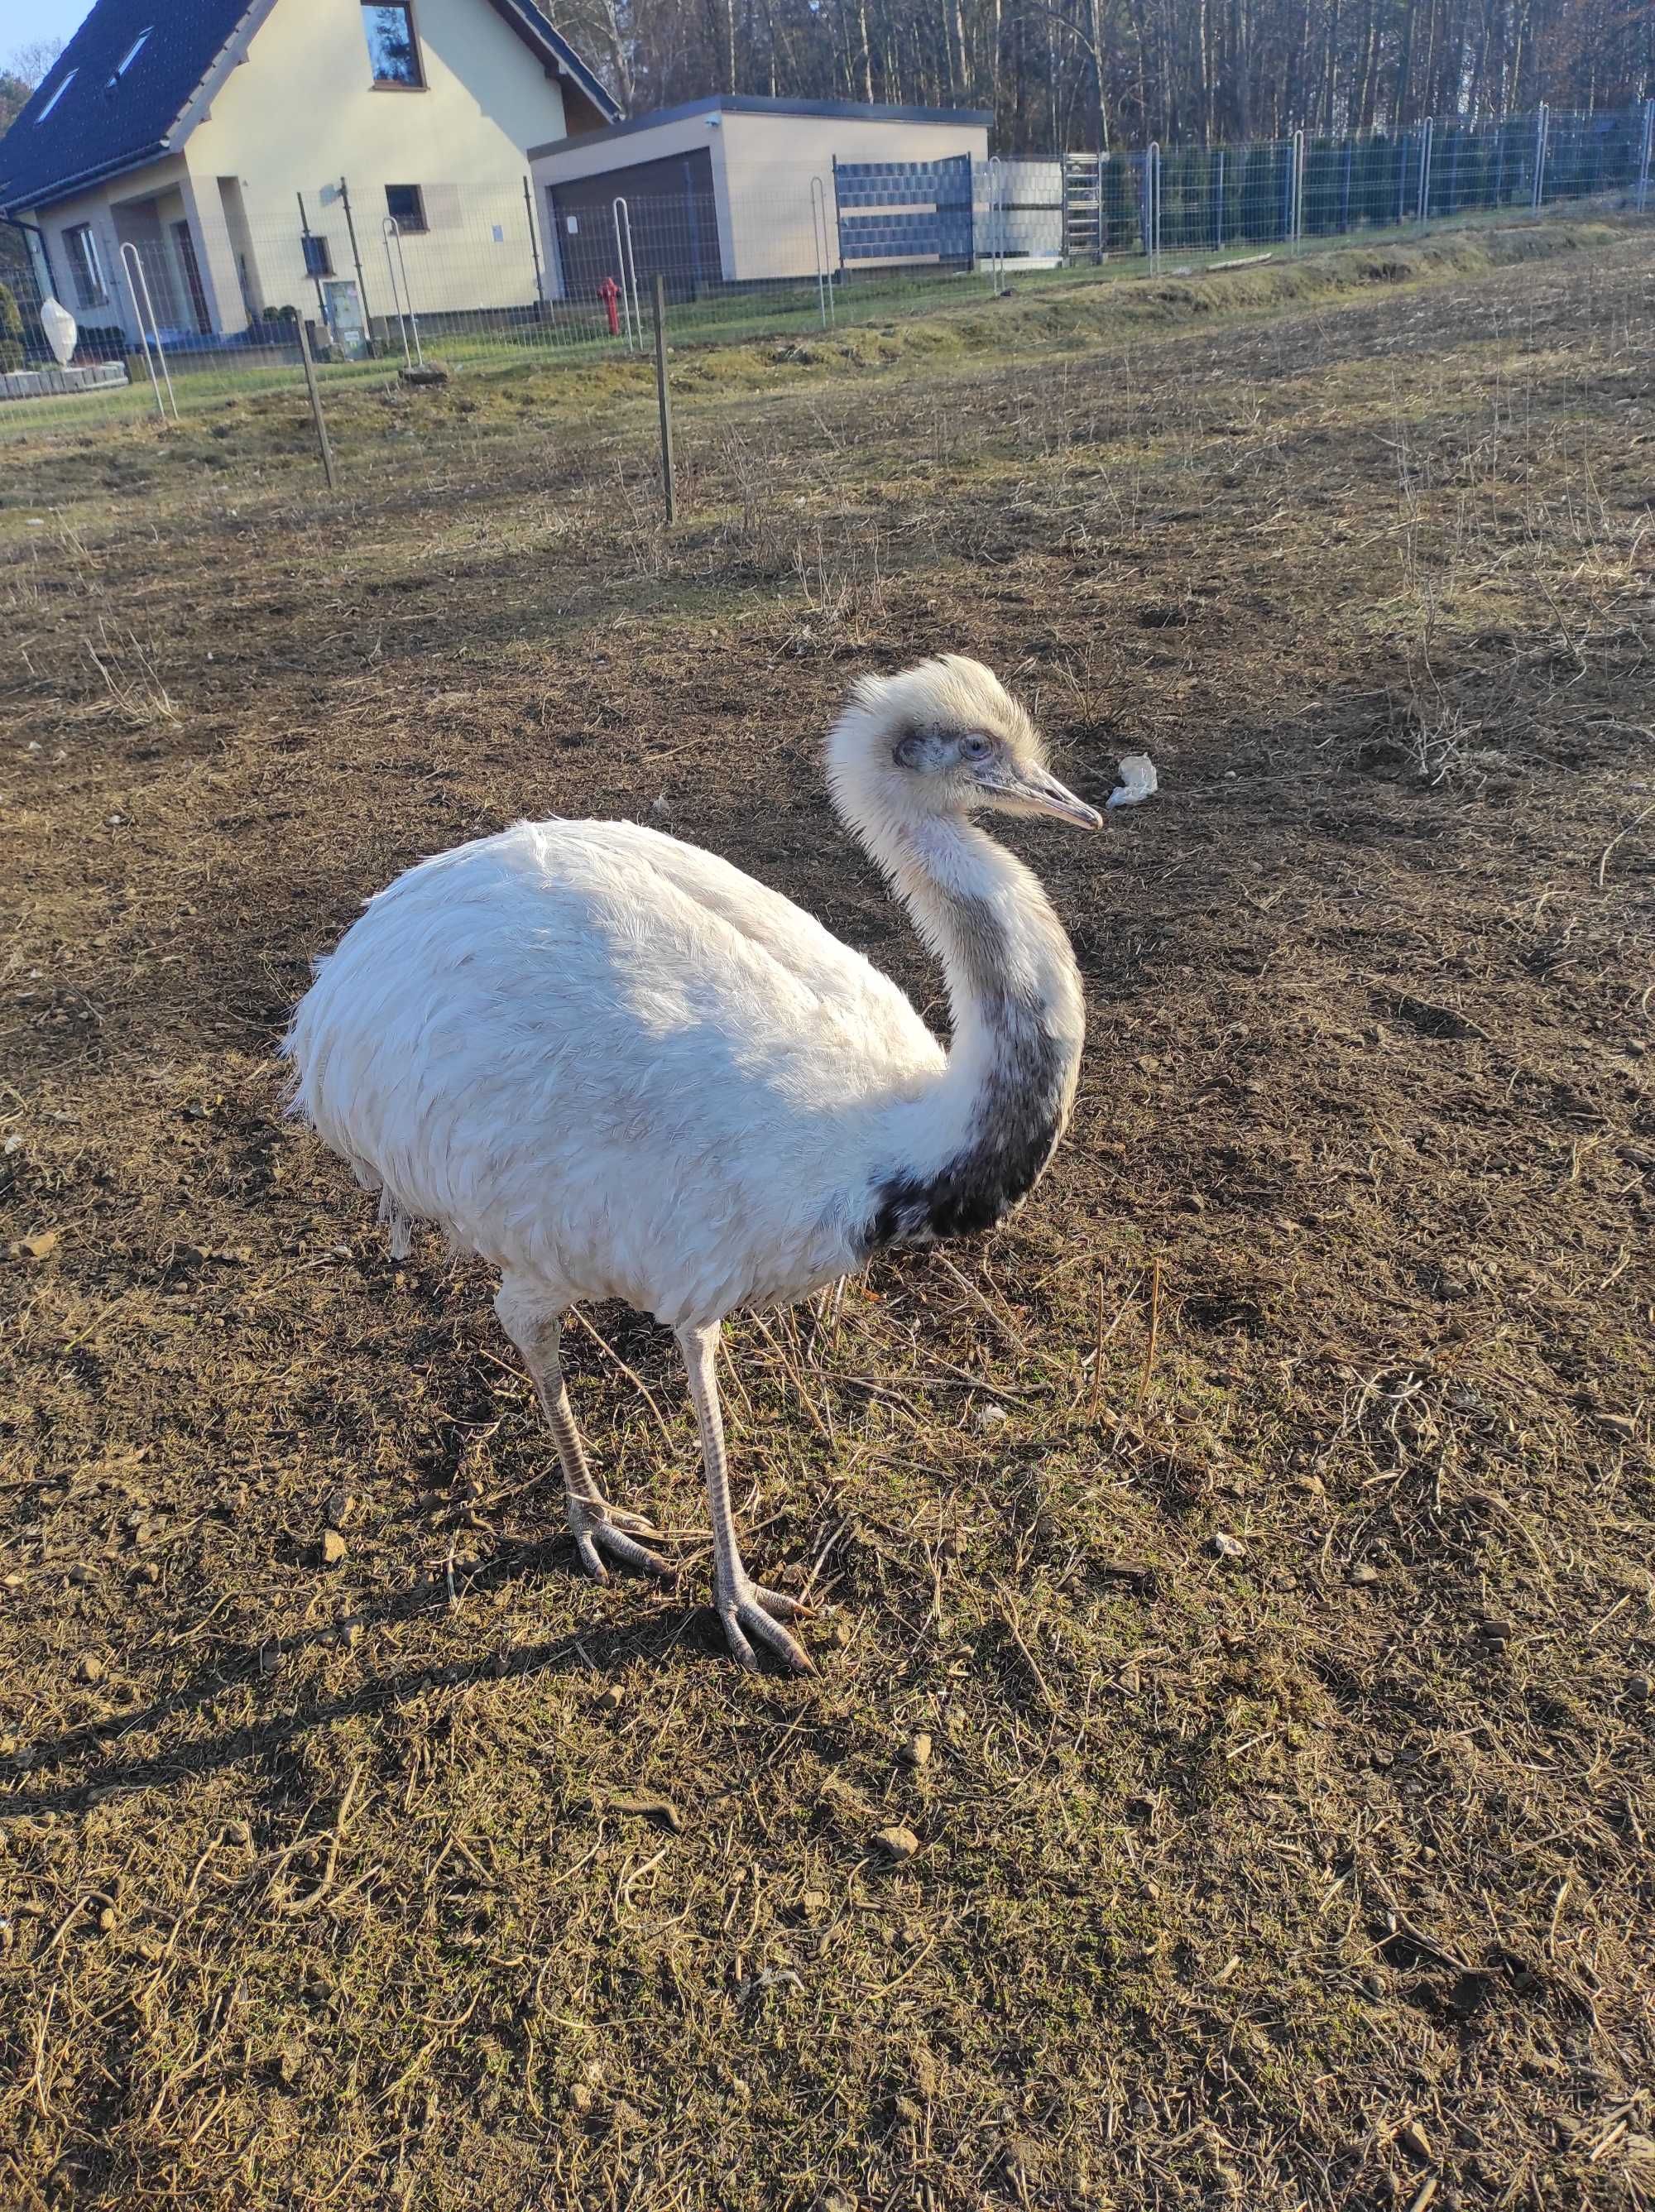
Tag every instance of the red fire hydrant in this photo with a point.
(610, 292)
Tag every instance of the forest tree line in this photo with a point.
(1074, 73)
(18, 77)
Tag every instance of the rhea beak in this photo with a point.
(1032, 791)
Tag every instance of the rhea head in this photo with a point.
(946, 738)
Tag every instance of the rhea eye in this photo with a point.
(978, 747)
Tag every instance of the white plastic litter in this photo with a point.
(61, 330)
(1138, 782)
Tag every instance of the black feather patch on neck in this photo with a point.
(1018, 1120)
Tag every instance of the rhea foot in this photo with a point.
(748, 1610)
(398, 1228)
(598, 1528)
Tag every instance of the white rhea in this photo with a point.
(617, 1067)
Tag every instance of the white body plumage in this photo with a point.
(611, 1061)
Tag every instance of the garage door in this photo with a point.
(674, 219)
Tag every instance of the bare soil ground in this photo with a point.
(1311, 1868)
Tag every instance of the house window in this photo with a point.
(407, 203)
(130, 56)
(89, 269)
(392, 49)
(57, 96)
(318, 256)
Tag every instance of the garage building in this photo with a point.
(738, 189)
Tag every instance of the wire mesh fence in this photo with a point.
(184, 301)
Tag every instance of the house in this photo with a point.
(288, 155)
(740, 189)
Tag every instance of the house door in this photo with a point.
(198, 290)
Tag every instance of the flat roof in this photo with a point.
(753, 103)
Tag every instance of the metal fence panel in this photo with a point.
(898, 213)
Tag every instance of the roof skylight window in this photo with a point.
(130, 55)
(56, 95)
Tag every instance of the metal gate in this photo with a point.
(896, 213)
(1106, 206)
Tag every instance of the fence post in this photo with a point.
(821, 238)
(666, 399)
(996, 255)
(534, 246)
(1218, 247)
(1644, 156)
(403, 297)
(1298, 188)
(1425, 173)
(312, 387)
(315, 275)
(1541, 134)
(138, 285)
(356, 256)
(621, 214)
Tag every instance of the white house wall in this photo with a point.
(297, 114)
(303, 110)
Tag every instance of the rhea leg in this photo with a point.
(743, 1606)
(536, 1329)
(399, 1230)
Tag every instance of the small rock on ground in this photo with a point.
(898, 1844)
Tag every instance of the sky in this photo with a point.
(26, 21)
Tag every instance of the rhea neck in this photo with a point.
(971, 1147)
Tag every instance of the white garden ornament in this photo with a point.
(61, 331)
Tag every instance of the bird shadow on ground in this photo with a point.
(671, 1629)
